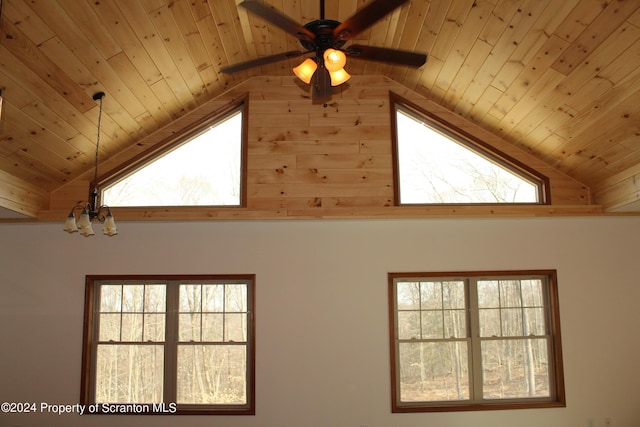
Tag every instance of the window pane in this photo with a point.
(109, 327)
(490, 325)
(433, 371)
(534, 321)
(409, 325)
(515, 369)
(512, 322)
(213, 298)
(212, 374)
(203, 171)
(212, 327)
(153, 327)
(432, 326)
(488, 294)
(510, 293)
(235, 327)
(436, 168)
(132, 298)
(189, 327)
(408, 295)
(453, 295)
(190, 297)
(131, 327)
(110, 298)
(431, 295)
(532, 293)
(154, 298)
(129, 373)
(455, 324)
(236, 298)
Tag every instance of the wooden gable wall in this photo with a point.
(309, 160)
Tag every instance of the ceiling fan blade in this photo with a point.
(261, 61)
(321, 84)
(278, 19)
(365, 17)
(391, 56)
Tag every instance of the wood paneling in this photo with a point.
(21, 196)
(301, 165)
(557, 80)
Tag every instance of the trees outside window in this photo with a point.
(479, 340)
(185, 341)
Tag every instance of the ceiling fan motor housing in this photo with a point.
(325, 39)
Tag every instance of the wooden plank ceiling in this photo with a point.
(559, 79)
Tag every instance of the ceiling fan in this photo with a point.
(325, 39)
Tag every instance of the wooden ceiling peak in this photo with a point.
(560, 79)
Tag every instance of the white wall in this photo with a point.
(322, 322)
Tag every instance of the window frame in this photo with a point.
(90, 341)
(182, 136)
(556, 372)
(467, 140)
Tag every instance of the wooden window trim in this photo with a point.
(86, 380)
(470, 141)
(557, 376)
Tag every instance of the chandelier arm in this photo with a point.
(101, 213)
(76, 211)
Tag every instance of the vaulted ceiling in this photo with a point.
(560, 79)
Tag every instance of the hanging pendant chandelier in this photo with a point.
(83, 214)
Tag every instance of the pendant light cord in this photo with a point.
(97, 96)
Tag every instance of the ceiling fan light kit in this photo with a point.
(305, 70)
(334, 59)
(325, 38)
(338, 77)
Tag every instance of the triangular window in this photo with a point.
(201, 168)
(437, 164)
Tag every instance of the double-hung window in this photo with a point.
(169, 344)
(473, 341)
